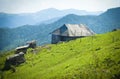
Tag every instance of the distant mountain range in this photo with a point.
(43, 16)
(11, 38)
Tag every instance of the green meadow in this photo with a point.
(95, 57)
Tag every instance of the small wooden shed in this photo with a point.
(15, 60)
(22, 49)
(70, 31)
(29, 44)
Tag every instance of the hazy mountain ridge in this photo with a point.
(18, 36)
(15, 20)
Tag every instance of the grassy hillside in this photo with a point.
(95, 57)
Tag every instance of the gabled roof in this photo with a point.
(31, 42)
(73, 30)
(22, 47)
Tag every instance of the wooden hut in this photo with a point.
(70, 31)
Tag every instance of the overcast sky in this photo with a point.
(25, 6)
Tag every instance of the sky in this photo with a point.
(30, 6)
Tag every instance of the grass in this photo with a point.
(94, 57)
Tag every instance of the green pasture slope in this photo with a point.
(96, 57)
